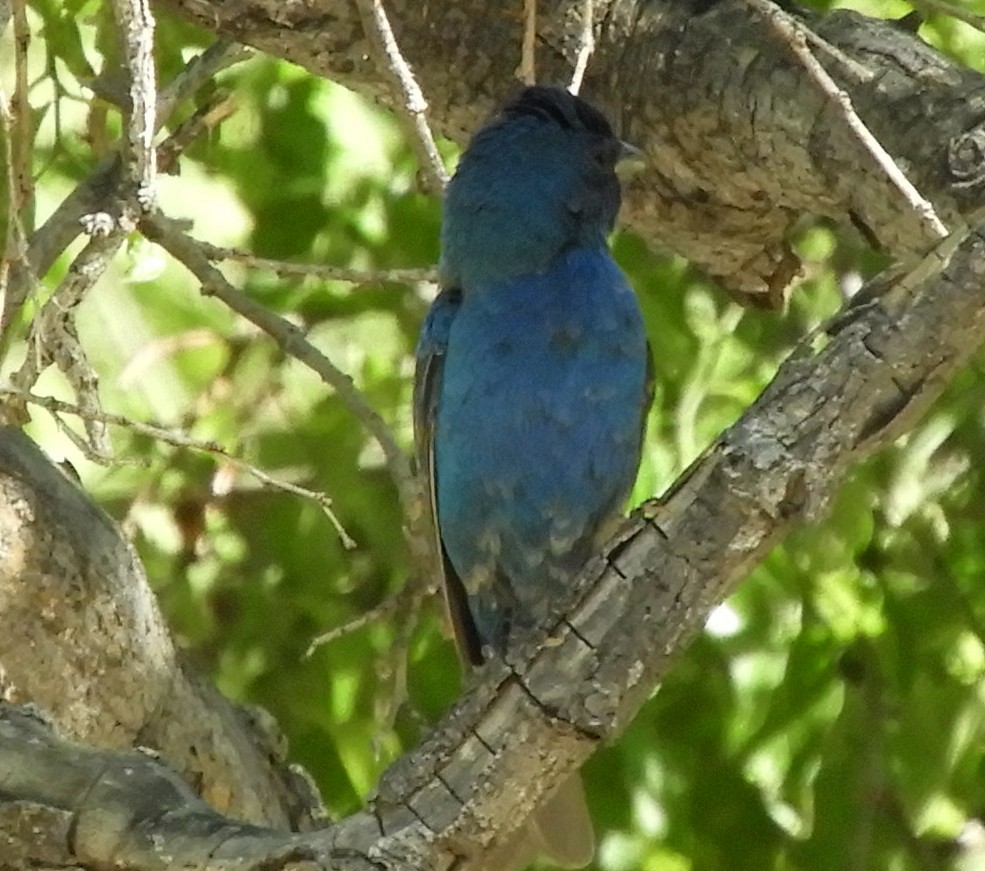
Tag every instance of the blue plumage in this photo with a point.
(532, 366)
(535, 181)
(538, 432)
(532, 379)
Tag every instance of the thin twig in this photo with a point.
(166, 233)
(20, 109)
(795, 36)
(528, 48)
(198, 71)
(218, 107)
(15, 244)
(135, 25)
(70, 358)
(951, 9)
(586, 47)
(856, 70)
(87, 449)
(413, 105)
(53, 339)
(177, 439)
(14, 263)
(390, 605)
(62, 227)
(316, 270)
(17, 279)
(84, 272)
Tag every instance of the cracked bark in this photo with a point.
(741, 143)
(526, 724)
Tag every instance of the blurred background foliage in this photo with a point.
(831, 716)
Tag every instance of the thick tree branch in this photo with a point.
(81, 636)
(524, 726)
(740, 139)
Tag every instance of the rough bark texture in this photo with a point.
(84, 640)
(516, 734)
(741, 141)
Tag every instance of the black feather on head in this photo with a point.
(558, 105)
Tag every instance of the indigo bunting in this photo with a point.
(532, 383)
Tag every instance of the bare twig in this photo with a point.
(15, 242)
(61, 228)
(166, 233)
(20, 109)
(586, 47)
(135, 24)
(389, 606)
(199, 70)
(14, 261)
(288, 269)
(84, 272)
(16, 277)
(218, 107)
(795, 36)
(70, 357)
(856, 70)
(528, 48)
(85, 447)
(177, 439)
(53, 338)
(412, 107)
(953, 10)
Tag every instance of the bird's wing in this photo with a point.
(427, 388)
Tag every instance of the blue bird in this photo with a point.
(532, 384)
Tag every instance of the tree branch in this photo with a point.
(525, 725)
(82, 637)
(167, 234)
(91, 196)
(135, 26)
(179, 439)
(740, 143)
(407, 94)
(726, 182)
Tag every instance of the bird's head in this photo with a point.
(539, 178)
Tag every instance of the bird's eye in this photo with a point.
(602, 159)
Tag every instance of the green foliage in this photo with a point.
(830, 717)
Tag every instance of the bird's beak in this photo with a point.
(630, 161)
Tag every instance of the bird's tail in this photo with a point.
(559, 832)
